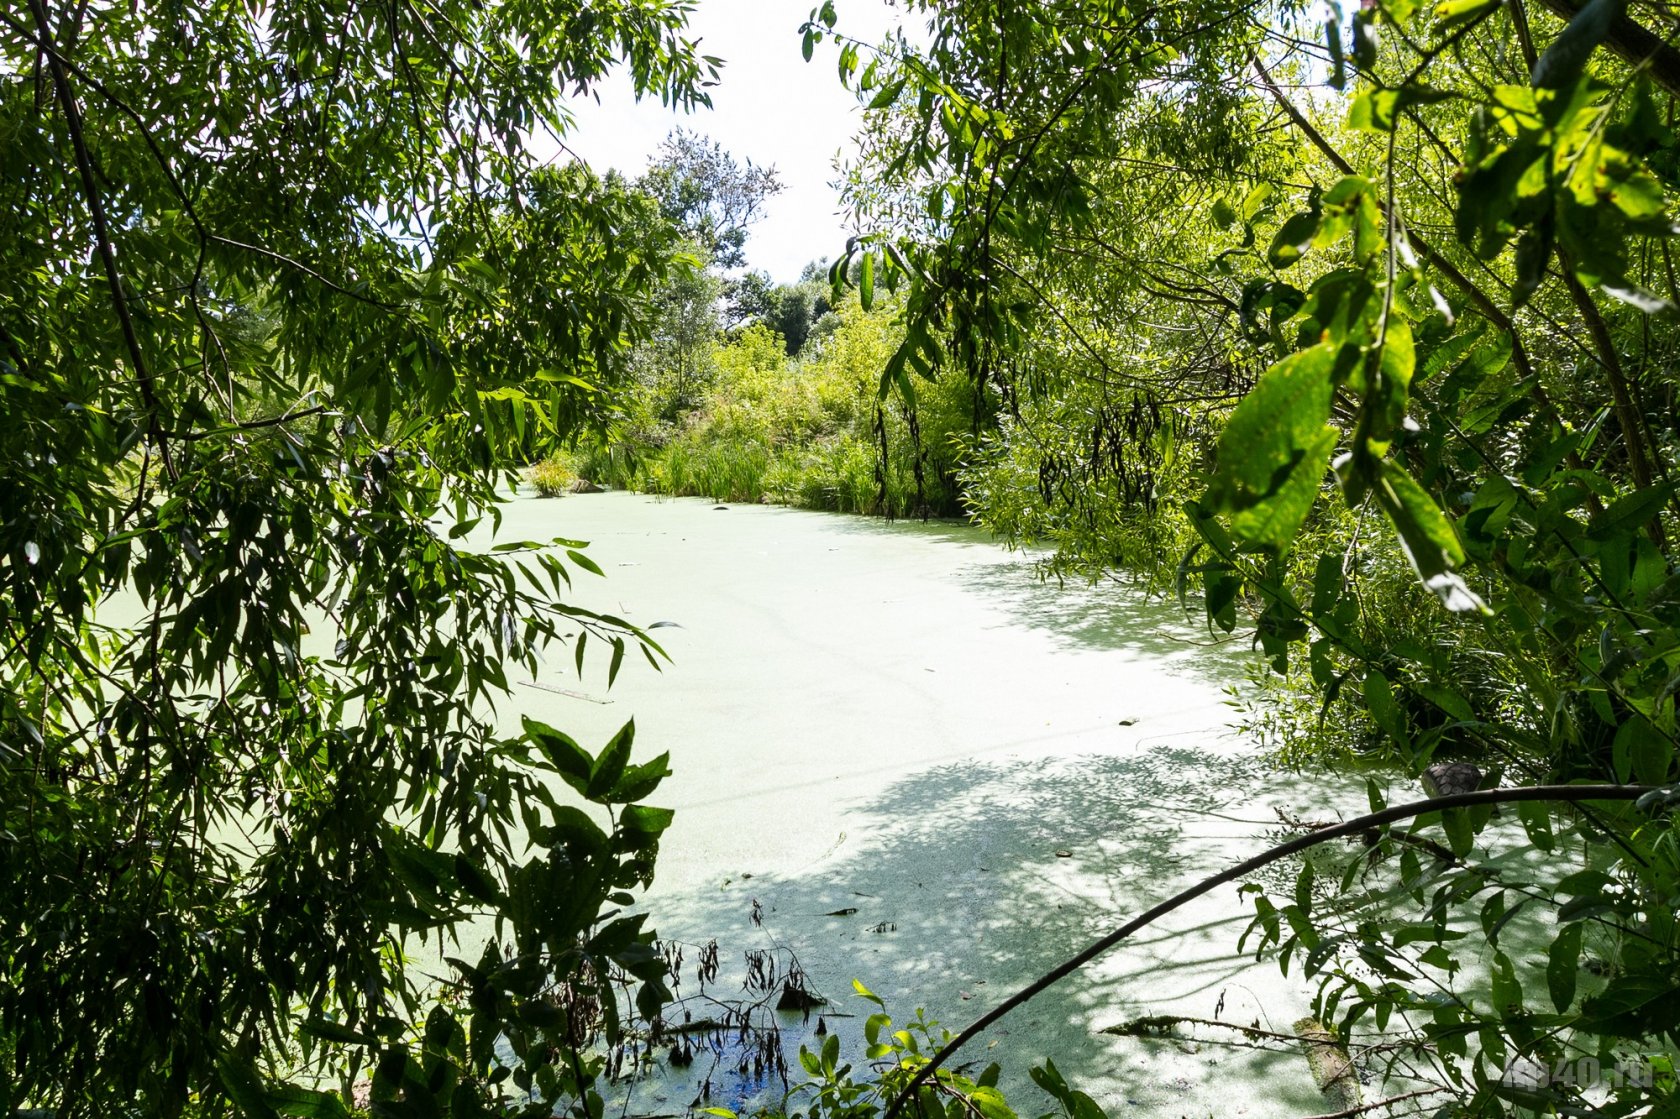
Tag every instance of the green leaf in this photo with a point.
(1537, 822)
(1452, 13)
(1630, 513)
(308, 1103)
(244, 1087)
(1638, 1004)
(570, 827)
(1379, 701)
(584, 562)
(1461, 833)
(639, 781)
(478, 884)
(887, 94)
(572, 762)
(1426, 537)
(1333, 42)
(1534, 252)
(1293, 239)
(866, 281)
(645, 820)
(990, 1104)
(1506, 991)
(1275, 448)
(1563, 964)
(1374, 110)
(609, 767)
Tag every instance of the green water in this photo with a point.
(991, 770)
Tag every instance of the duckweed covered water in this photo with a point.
(978, 771)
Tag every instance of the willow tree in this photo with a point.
(1423, 435)
(279, 286)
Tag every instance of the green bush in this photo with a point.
(800, 431)
(553, 476)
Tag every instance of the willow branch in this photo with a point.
(96, 210)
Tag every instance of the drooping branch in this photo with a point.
(1359, 824)
(1483, 302)
(1479, 298)
(1636, 44)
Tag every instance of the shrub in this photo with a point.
(553, 476)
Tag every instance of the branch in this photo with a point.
(307, 271)
(1389, 1102)
(1483, 302)
(1565, 793)
(96, 209)
(250, 425)
(65, 66)
(1637, 45)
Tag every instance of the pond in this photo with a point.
(902, 758)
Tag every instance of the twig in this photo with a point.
(250, 425)
(306, 270)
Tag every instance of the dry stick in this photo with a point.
(1566, 793)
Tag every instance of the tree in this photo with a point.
(708, 194)
(747, 298)
(675, 360)
(796, 308)
(279, 292)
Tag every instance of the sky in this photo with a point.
(770, 106)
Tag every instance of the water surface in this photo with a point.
(991, 770)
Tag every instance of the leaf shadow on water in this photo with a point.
(970, 879)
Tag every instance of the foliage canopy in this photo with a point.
(280, 291)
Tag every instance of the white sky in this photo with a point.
(770, 106)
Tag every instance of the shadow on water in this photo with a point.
(968, 880)
(1102, 614)
(1105, 615)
